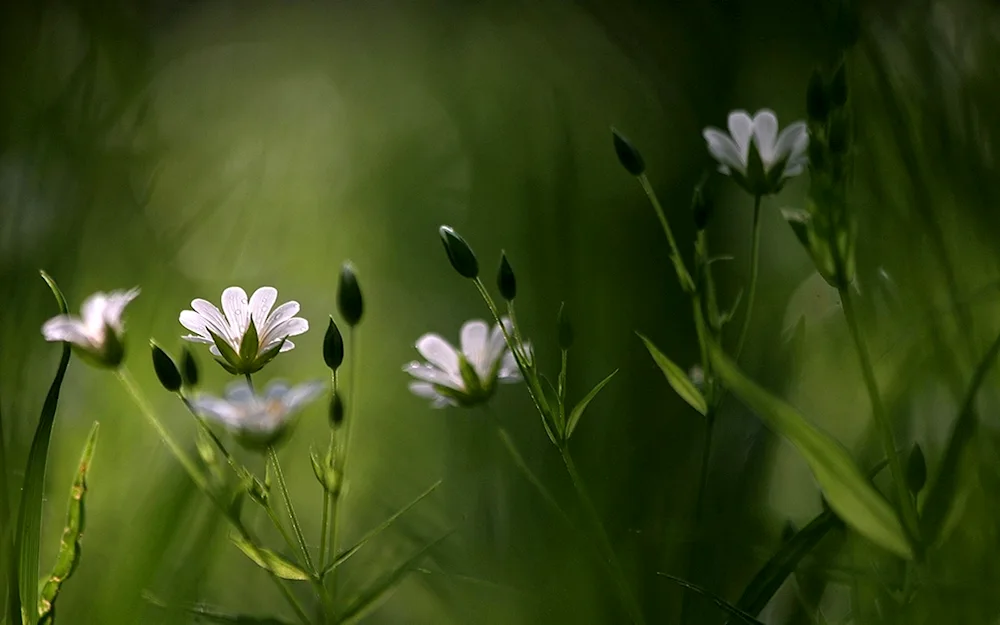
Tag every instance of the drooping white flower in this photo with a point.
(249, 334)
(98, 334)
(755, 154)
(465, 377)
(257, 420)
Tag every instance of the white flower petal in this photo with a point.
(439, 353)
(474, 341)
(197, 339)
(196, 323)
(289, 327)
(260, 306)
(427, 373)
(218, 409)
(215, 350)
(724, 150)
(793, 170)
(508, 371)
(115, 308)
(282, 313)
(66, 328)
(213, 316)
(92, 313)
(239, 392)
(765, 131)
(741, 129)
(286, 346)
(424, 389)
(236, 307)
(792, 141)
(297, 397)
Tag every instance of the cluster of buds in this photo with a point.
(827, 227)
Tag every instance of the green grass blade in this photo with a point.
(69, 546)
(847, 490)
(714, 598)
(941, 494)
(574, 416)
(29, 518)
(269, 560)
(13, 612)
(368, 600)
(207, 614)
(677, 379)
(353, 549)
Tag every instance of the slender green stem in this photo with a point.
(752, 289)
(342, 455)
(611, 560)
(278, 525)
(699, 506)
(146, 409)
(906, 505)
(675, 253)
(290, 509)
(249, 381)
(324, 530)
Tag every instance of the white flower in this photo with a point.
(98, 334)
(468, 377)
(252, 321)
(257, 420)
(775, 158)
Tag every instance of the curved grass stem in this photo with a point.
(752, 288)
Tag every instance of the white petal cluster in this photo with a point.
(257, 419)
(99, 331)
(781, 155)
(466, 376)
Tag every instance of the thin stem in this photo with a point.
(290, 509)
(611, 560)
(278, 525)
(348, 428)
(675, 253)
(249, 381)
(754, 267)
(907, 507)
(699, 506)
(324, 530)
(146, 409)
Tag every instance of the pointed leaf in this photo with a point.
(343, 556)
(714, 598)
(850, 495)
(29, 518)
(269, 560)
(677, 378)
(942, 491)
(368, 600)
(250, 343)
(574, 416)
(69, 546)
(228, 353)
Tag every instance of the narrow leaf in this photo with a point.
(69, 546)
(775, 571)
(208, 614)
(941, 493)
(677, 378)
(714, 598)
(350, 551)
(367, 601)
(269, 560)
(850, 495)
(574, 416)
(29, 517)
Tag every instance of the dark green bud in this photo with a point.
(817, 106)
(702, 208)
(565, 328)
(336, 410)
(333, 346)
(165, 368)
(459, 253)
(506, 282)
(628, 156)
(349, 300)
(189, 368)
(838, 87)
(916, 470)
(838, 135)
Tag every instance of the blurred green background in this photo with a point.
(188, 146)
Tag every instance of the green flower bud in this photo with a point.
(459, 253)
(838, 87)
(628, 156)
(189, 368)
(565, 332)
(916, 470)
(336, 410)
(165, 368)
(506, 282)
(349, 300)
(817, 105)
(333, 346)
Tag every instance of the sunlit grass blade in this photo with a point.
(942, 491)
(269, 560)
(850, 495)
(206, 614)
(714, 598)
(368, 600)
(353, 549)
(677, 379)
(68, 556)
(29, 518)
(577, 412)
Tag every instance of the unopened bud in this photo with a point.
(506, 281)
(628, 156)
(333, 346)
(460, 255)
(189, 368)
(165, 368)
(349, 300)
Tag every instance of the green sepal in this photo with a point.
(677, 378)
(230, 359)
(250, 344)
